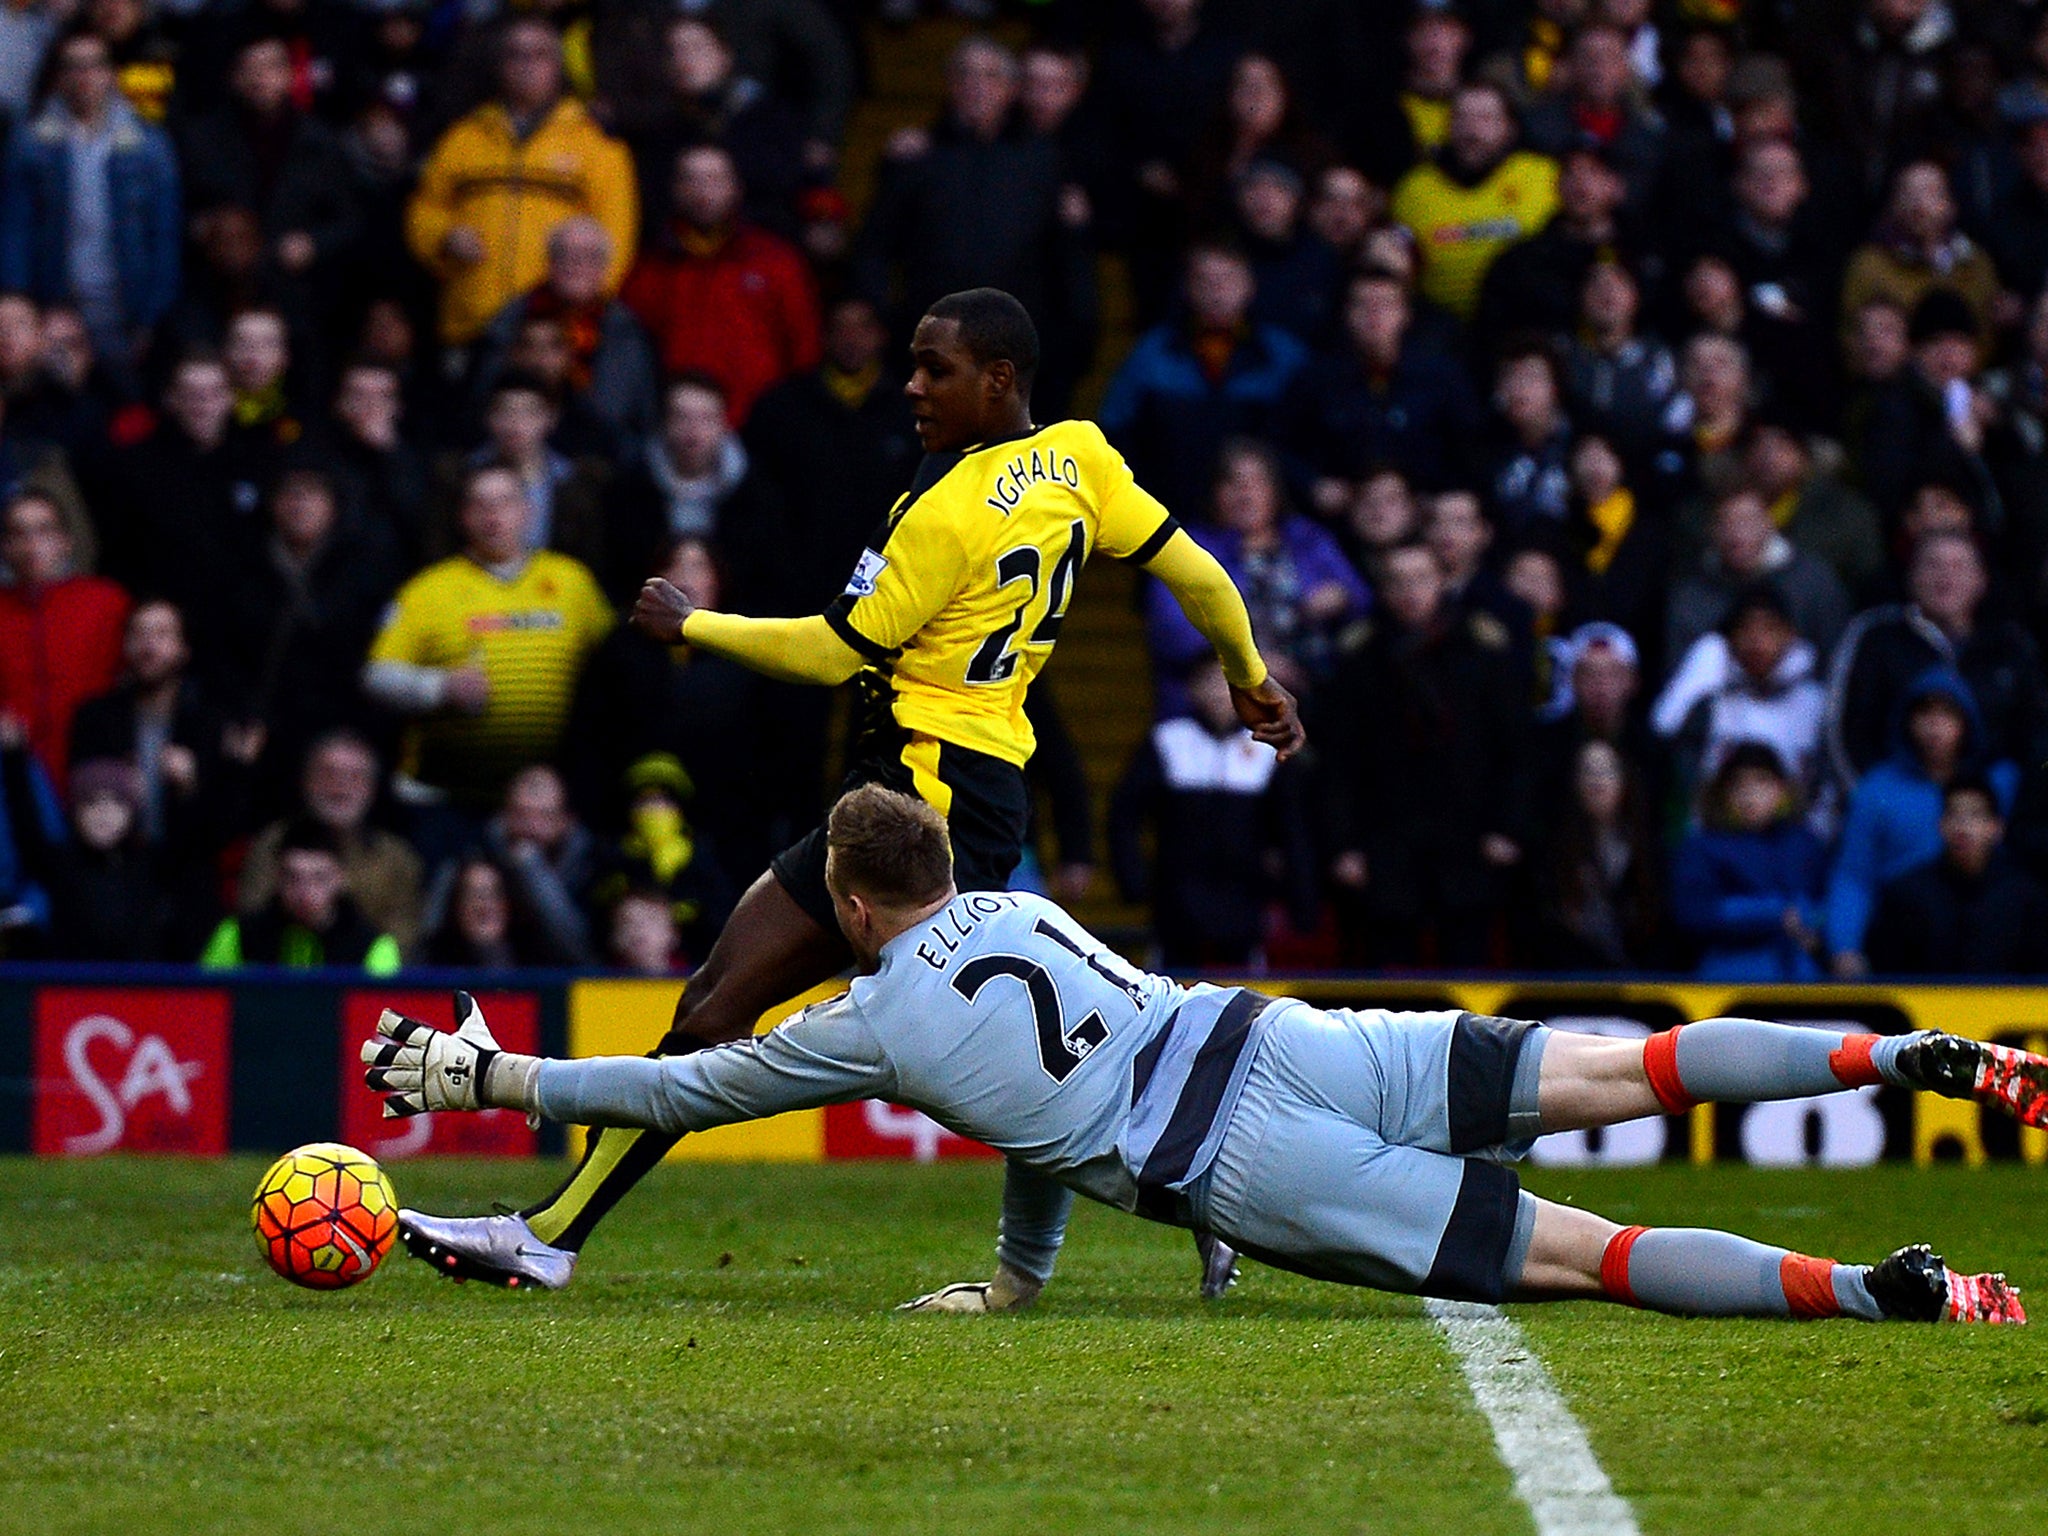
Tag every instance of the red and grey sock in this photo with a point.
(1701, 1273)
(1742, 1061)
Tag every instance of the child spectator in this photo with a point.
(1971, 911)
(1599, 886)
(644, 937)
(1229, 833)
(311, 922)
(106, 899)
(661, 851)
(1747, 885)
(1894, 820)
(1751, 680)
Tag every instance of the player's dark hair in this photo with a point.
(890, 847)
(993, 325)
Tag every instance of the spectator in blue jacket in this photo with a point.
(1297, 585)
(89, 207)
(1894, 820)
(1747, 885)
(1386, 396)
(1190, 384)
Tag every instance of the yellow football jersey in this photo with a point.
(960, 594)
(531, 635)
(1460, 229)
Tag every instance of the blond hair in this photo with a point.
(891, 847)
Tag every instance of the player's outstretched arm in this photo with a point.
(825, 1055)
(1213, 605)
(803, 650)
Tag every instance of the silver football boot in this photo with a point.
(499, 1250)
(1219, 1265)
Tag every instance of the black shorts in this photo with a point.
(984, 799)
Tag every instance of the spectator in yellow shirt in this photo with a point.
(501, 180)
(482, 651)
(1475, 199)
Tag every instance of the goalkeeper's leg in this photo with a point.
(1590, 1080)
(1698, 1272)
(770, 950)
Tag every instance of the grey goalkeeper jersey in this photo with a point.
(1005, 1021)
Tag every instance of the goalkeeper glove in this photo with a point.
(419, 1068)
(1011, 1291)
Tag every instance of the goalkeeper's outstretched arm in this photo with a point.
(1210, 599)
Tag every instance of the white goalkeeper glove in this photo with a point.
(418, 1067)
(1011, 1291)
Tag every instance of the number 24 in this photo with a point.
(994, 661)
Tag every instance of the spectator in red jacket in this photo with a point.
(60, 630)
(721, 296)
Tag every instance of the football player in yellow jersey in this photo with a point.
(949, 613)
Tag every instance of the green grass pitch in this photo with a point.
(727, 1363)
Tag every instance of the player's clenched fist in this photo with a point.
(1270, 711)
(659, 611)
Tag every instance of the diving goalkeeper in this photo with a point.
(1365, 1147)
(947, 616)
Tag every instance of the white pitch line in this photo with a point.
(1556, 1473)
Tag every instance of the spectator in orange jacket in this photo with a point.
(501, 180)
(60, 630)
(721, 296)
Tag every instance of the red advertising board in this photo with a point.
(130, 1069)
(514, 1018)
(872, 1128)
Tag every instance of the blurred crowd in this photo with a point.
(1627, 421)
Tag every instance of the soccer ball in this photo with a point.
(325, 1215)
